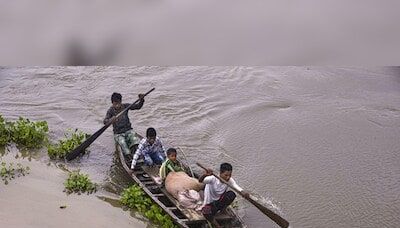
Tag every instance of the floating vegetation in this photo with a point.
(28, 133)
(135, 198)
(79, 183)
(9, 172)
(23, 132)
(72, 140)
(5, 136)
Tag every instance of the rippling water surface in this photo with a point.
(320, 145)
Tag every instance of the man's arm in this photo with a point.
(170, 168)
(140, 104)
(108, 116)
(162, 148)
(206, 174)
(237, 187)
(138, 152)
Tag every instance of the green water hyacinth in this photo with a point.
(9, 172)
(5, 135)
(135, 198)
(72, 140)
(28, 133)
(79, 183)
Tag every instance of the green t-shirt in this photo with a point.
(170, 166)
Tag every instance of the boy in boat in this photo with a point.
(171, 164)
(123, 132)
(151, 148)
(216, 196)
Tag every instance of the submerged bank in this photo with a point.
(35, 200)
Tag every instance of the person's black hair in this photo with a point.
(225, 167)
(171, 151)
(151, 132)
(117, 97)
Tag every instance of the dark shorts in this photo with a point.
(211, 209)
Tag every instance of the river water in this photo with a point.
(319, 144)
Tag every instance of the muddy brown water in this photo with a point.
(319, 144)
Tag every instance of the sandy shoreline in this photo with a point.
(34, 201)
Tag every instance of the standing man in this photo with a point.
(123, 132)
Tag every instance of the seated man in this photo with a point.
(216, 196)
(151, 148)
(171, 164)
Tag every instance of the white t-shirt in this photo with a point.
(215, 188)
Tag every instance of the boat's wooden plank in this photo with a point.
(159, 195)
(166, 209)
(223, 216)
(140, 172)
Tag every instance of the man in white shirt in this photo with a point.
(216, 196)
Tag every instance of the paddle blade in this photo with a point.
(274, 217)
(81, 148)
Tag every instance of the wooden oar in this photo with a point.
(81, 148)
(276, 218)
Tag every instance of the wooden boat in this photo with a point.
(145, 177)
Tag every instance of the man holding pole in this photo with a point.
(123, 132)
(216, 196)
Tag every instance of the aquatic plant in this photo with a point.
(28, 133)
(9, 173)
(79, 183)
(64, 146)
(5, 135)
(135, 198)
(157, 215)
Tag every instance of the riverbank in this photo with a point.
(34, 200)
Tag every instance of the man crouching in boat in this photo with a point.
(123, 132)
(151, 148)
(216, 196)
